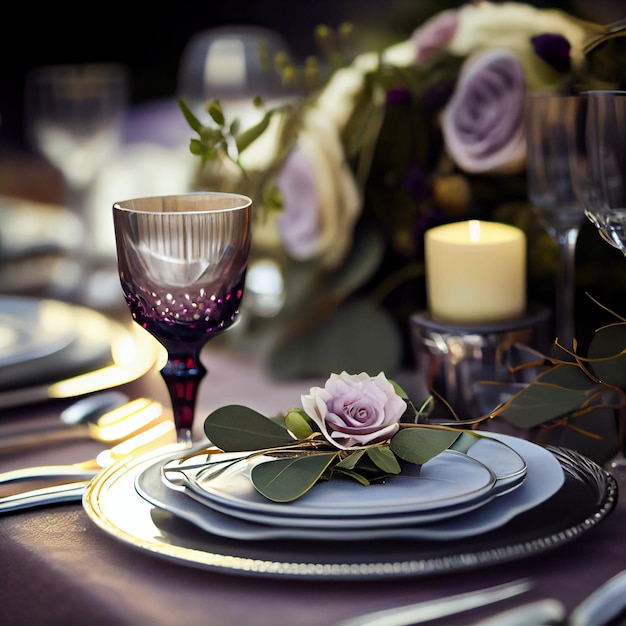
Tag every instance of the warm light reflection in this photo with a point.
(134, 417)
(154, 438)
(474, 230)
(133, 353)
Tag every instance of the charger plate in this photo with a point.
(67, 351)
(586, 498)
(31, 329)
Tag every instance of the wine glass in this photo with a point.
(598, 155)
(182, 261)
(550, 189)
(599, 150)
(74, 116)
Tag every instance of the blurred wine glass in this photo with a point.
(597, 146)
(550, 189)
(74, 118)
(233, 64)
(600, 162)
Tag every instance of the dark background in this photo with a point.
(150, 38)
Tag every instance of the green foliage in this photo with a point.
(238, 429)
(418, 445)
(300, 456)
(285, 480)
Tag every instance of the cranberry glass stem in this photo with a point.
(182, 374)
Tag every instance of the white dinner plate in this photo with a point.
(442, 488)
(449, 480)
(438, 524)
(544, 477)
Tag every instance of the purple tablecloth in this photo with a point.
(57, 567)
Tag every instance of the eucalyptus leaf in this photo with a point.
(191, 119)
(351, 460)
(252, 134)
(285, 480)
(214, 109)
(555, 393)
(235, 428)
(419, 445)
(350, 474)
(384, 459)
(607, 343)
(399, 391)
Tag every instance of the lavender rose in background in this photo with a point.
(399, 140)
(483, 125)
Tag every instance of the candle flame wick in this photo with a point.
(474, 230)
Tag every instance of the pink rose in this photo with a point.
(355, 410)
(483, 124)
(299, 223)
(321, 200)
(434, 34)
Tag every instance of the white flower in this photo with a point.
(511, 25)
(355, 410)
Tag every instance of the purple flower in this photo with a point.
(398, 96)
(299, 223)
(355, 410)
(415, 182)
(483, 124)
(554, 49)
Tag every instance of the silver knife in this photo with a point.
(56, 494)
(434, 609)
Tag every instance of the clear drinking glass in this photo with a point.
(550, 189)
(74, 117)
(597, 144)
(182, 262)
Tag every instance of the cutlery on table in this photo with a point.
(546, 612)
(602, 606)
(113, 425)
(434, 609)
(158, 437)
(135, 424)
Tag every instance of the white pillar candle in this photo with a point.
(475, 272)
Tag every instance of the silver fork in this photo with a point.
(433, 609)
(55, 494)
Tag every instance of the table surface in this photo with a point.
(57, 567)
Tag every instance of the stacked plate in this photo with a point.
(512, 497)
(452, 496)
(52, 349)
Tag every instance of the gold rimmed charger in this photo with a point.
(585, 498)
(100, 354)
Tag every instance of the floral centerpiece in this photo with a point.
(347, 179)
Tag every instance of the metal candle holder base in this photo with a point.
(455, 360)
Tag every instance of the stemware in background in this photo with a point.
(233, 64)
(599, 161)
(74, 115)
(182, 262)
(598, 156)
(549, 179)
